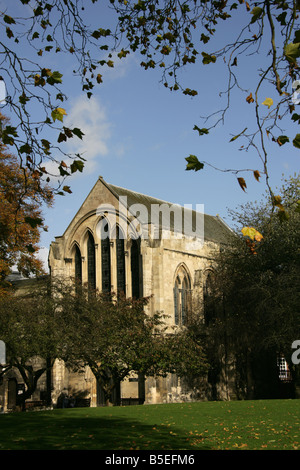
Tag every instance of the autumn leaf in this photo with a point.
(256, 174)
(242, 183)
(282, 139)
(67, 189)
(252, 233)
(250, 99)
(268, 102)
(278, 202)
(59, 114)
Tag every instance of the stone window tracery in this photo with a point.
(182, 296)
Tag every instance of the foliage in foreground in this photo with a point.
(111, 334)
(247, 425)
(255, 298)
(168, 36)
(21, 217)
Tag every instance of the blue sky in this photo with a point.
(138, 133)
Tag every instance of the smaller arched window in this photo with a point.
(182, 296)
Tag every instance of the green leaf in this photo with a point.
(193, 163)
(78, 132)
(281, 18)
(292, 52)
(297, 36)
(256, 12)
(207, 58)
(77, 165)
(38, 11)
(201, 131)
(46, 144)
(26, 148)
(204, 38)
(296, 117)
(62, 171)
(8, 19)
(296, 141)
(122, 54)
(8, 135)
(283, 139)
(190, 92)
(54, 78)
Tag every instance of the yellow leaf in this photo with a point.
(268, 102)
(59, 114)
(252, 233)
(61, 111)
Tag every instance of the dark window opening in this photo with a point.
(135, 269)
(121, 283)
(91, 262)
(78, 265)
(105, 259)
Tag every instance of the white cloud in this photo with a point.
(91, 118)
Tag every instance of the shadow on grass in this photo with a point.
(70, 430)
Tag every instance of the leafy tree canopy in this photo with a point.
(168, 36)
(115, 336)
(21, 218)
(258, 283)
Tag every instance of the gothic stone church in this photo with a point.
(121, 240)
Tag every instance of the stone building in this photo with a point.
(121, 240)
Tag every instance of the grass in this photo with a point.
(253, 425)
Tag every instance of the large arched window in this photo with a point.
(120, 254)
(135, 269)
(91, 262)
(105, 258)
(78, 265)
(182, 296)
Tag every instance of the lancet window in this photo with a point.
(182, 296)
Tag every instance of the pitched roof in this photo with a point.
(215, 228)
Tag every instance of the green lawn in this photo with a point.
(264, 424)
